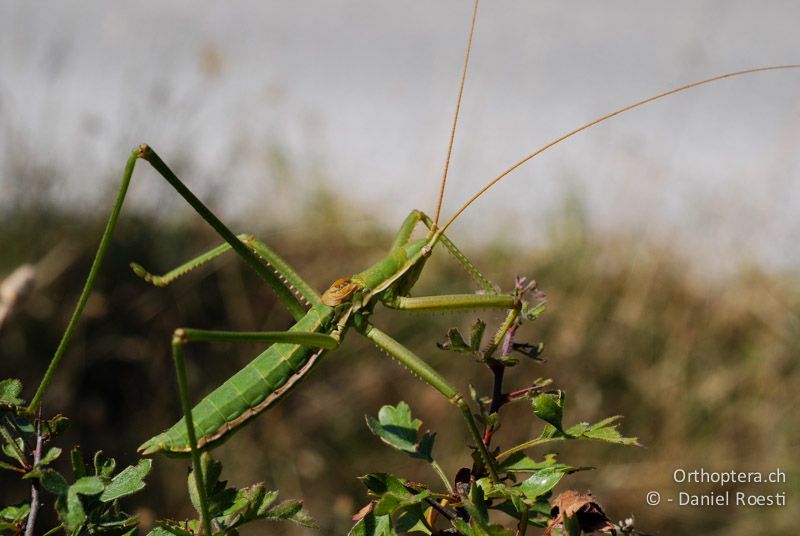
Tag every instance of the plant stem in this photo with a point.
(439, 508)
(480, 445)
(497, 399)
(37, 456)
(522, 528)
(442, 475)
(529, 444)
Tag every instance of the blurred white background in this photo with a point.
(254, 100)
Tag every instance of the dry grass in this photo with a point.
(705, 372)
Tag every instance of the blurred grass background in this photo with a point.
(704, 371)
(305, 120)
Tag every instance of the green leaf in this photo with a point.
(231, 508)
(255, 502)
(476, 506)
(396, 428)
(478, 509)
(219, 497)
(49, 457)
(170, 528)
(88, 485)
(475, 528)
(51, 480)
(9, 392)
(128, 481)
(76, 459)
(476, 335)
(14, 515)
(291, 510)
(410, 521)
(380, 483)
(103, 467)
(550, 408)
(393, 494)
(373, 525)
(520, 463)
(71, 512)
(54, 426)
(455, 342)
(391, 503)
(8, 466)
(14, 448)
(607, 431)
(543, 481)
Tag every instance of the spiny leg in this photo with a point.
(426, 373)
(482, 280)
(292, 304)
(404, 235)
(446, 303)
(184, 336)
(285, 273)
(143, 151)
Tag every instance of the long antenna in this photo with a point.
(455, 116)
(606, 117)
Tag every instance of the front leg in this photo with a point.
(445, 303)
(426, 373)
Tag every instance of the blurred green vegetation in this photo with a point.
(706, 372)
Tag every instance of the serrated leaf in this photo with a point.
(247, 502)
(455, 342)
(219, 497)
(128, 481)
(9, 391)
(476, 506)
(607, 431)
(518, 462)
(230, 507)
(476, 335)
(396, 428)
(255, 502)
(291, 510)
(550, 408)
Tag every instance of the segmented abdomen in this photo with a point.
(248, 392)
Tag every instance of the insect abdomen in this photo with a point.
(247, 393)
